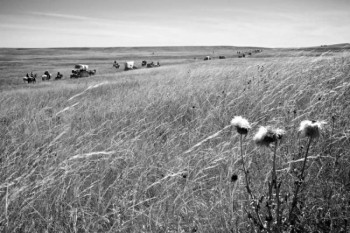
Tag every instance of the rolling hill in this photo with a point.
(152, 150)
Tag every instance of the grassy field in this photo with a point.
(152, 150)
(15, 63)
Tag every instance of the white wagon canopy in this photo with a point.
(129, 65)
(81, 67)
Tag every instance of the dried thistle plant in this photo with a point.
(311, 129)
(242, 125)
(267, 135)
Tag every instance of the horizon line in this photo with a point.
(175, 46)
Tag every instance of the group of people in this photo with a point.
(31, 78)
(46, 76)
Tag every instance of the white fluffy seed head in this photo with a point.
(242, 125)
(267, 135)
(279, 133)
(311, 129)
(260, 134)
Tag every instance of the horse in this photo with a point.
(92, 72)
(29, 79)
(150, 65)
(25, 79)
(46, 76)
(116, 65)
(32, 79)
(59, 76)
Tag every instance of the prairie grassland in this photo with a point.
(152, 150)
(15, 63)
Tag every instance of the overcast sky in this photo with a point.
(112, 23)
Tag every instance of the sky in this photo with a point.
(116, 23)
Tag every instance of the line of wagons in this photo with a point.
(130, 65)
(239, 54)
(79, 71)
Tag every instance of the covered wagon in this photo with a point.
(81, 71)
(129, 65)
(81, 67)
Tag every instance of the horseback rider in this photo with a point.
(115, 64)
(27, 75)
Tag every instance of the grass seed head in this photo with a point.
(242, 125)
(311, 129)
(267, 135)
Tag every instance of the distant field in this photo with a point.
(152, 150)
(15, 63)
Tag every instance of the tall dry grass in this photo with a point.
(150, 150)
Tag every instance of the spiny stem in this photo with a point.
(244, 168)
(305, 159)
(274, 176)
(247, 183)
(6, 207)
(301, 178)
(277, 187)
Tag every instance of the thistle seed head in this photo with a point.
(311, 129)
(267, 135)
(242, 125)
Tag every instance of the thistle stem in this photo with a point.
(301, 178)
(274, 176)
(247, 183)
(244, 168)
(305, 159)
(277, 187)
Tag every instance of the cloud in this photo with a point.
(14, 26)
(84, 19)
(61, 16)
